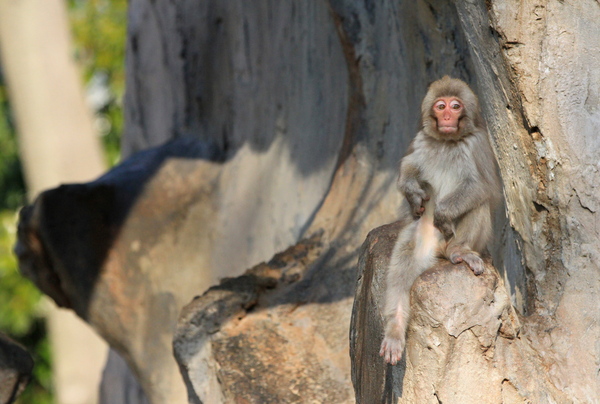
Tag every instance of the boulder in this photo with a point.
(266, 336)
(463, 339)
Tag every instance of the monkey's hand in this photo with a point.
(416, 198)
(443, 224)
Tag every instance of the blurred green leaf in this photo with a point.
(12, 186)
(21, 316)
(19, 298)
(99, 32)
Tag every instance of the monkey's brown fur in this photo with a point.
(453, 177)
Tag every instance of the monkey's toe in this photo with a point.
(473, 260)
(475, 263)
(455, 258)
(391, 350)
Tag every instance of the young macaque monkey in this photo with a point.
(450, 186)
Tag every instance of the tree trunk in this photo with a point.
(306, 108)
(56, 136)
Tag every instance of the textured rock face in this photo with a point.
(544, 116)
(267, 336)
(15, 369)
(463, 342)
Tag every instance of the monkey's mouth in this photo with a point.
(447, 129)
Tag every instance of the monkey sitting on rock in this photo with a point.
(450, 186)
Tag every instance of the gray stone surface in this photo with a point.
(125, 253)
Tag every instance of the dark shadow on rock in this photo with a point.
(65, 235)
(372, 379)
(248, 75)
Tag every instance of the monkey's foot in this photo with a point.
(391, 349)
(473, 260)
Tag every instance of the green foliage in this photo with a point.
(99, 28)
(12, 187)
(20, 298)
(20, 314)
(99, 31)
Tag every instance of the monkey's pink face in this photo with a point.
(447, 112)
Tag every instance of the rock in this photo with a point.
(125, 253)
(119, 384)
(16, 366)
(463, 342)
(261, 338)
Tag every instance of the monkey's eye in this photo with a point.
(440, 105)
(455, 105)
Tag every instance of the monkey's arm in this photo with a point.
(411, 186)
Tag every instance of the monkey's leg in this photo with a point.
(472, 234)
(415, 251)
(397, 298)
(394, 338)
